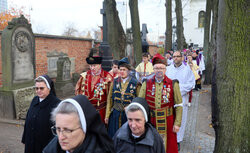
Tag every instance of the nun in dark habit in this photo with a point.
(37, 132)
(137, 135)
(78, 129)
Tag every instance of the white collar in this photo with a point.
(177, 66)
(40, 99)
(136, 136)
(124, 80)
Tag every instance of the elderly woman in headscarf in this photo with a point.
(78, 129)
(37, 133)
(137, 135)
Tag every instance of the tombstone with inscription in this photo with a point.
(64, 84)
(18, 69)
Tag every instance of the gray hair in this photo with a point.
(39, 79)
(133, 108)
(64, 108)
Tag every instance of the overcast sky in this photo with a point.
(52, 16)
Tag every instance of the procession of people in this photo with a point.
(117, 111)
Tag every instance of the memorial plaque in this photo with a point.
(72, 69)
(66, 70)
(63, 69)
(22, 99)
(18, 68)
(23, 68)
(52, 66)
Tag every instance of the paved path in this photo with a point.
(199, 137)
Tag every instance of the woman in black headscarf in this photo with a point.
(137, 135)
(37, 133)
(78, 128)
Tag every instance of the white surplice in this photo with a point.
(186, 80)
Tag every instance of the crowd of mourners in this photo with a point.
(125, 110)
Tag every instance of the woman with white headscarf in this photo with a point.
(37, 133)
(137, 135)
(78, 129)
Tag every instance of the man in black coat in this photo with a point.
(37, 130)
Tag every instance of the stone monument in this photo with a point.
(105, 51)
(64, 84)
(18, 68)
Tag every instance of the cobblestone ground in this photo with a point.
(195, 141)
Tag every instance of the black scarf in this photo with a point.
(51, 84)
(95, 127)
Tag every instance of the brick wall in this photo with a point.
(73, 47)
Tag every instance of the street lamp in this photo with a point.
(174, 31)
(173, 42)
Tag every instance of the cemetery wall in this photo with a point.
(76, 49)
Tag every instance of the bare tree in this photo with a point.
(135, 21)
(70, 30)
(179, 25)
(233, 82)
(40, 29)
(168, 36)
(116, 34)
(206, 46)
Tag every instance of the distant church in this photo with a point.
(194, 20)
(3, 5)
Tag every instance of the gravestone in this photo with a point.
(52, 62)
(18, 68)
(64, 84)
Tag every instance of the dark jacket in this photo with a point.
(90, 145)
(150, 142)
(37, 129)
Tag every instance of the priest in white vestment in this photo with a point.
(186, 79)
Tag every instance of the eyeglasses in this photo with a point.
(41, 88)
(159, 68)
(176, 56)
(66, 132)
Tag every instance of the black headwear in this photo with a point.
(93, 59)
(94, 124)
(49, 83)
(124, 63)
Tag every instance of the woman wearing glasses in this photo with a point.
(78, 129)
(37, 133)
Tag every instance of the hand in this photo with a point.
(106, 120)
(176, 129)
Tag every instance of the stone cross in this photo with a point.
(104, 22)
(105, 50)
